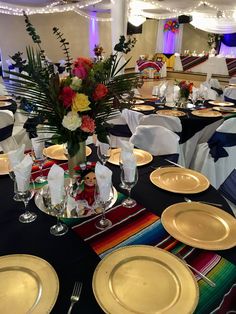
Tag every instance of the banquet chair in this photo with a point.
(171, 123)
(227, 190)
(132, 118)
(157, 140)
(216, 158)
(7, 141)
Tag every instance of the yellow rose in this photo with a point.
(80, 103)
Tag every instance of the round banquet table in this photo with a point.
(70, 256)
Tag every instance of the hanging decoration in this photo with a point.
(171, 26)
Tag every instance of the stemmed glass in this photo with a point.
(129, 182)
(13, 177)
(39, 158)
(103, 223)
(58, 210)
(104, 152)
(121, 185)
(25, 197)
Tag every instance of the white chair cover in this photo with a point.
(214, 83)
(156, 140)
(216, 171)
(132, 118)
(171, 123)
(7, 141)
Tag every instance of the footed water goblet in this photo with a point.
(13, 178)
(39, 158)
(58, 210)
(121, 185)
(40, 162)
(129, 182)
(103, 223)
(104, 152)
(25, 197)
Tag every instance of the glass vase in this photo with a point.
(77, 159)
(182, 103)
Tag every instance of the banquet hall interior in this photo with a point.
(117, 156)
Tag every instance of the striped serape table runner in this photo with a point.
(191, 61)
(231, 65)
(135, 226)
(144, 64)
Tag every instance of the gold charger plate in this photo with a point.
(28, 284)
(221, 103)
(4, 103)
(207, 113)
(224, 109)
(143, 108)
(173, 113)
(57, 152)
(179, 180)
(5, 98)
(142, 157)
(142, 279)
(3, 164)
(200, 225)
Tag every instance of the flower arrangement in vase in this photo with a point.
(80, 104)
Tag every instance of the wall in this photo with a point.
(194, 39)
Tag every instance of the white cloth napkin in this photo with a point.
(163, 90)
(56, 184)
(16, 156)
(23, 172)
(104, 148)
(103, 178)
(126, 146)
(38, 146)
(129, 165)
(176, 93)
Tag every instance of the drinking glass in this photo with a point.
(121, 185)
(103, 223)
(129, 183)
(58, 210)
(39, 158)
(25, 197)
(104, 152)
(13, 177)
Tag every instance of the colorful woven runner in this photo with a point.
(134, 226)
(190, 61)
(231, 65)
(144, 64)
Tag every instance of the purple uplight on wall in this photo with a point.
(93, 33)
(169, 42)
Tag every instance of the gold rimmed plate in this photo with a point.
(173, 113)
(5, 103)
(5, 98)
(143, 108)
(221, 103)
(57, 152)
(206, 113)
(28, 284)
(3, 164)
(179, 180)
(144, 280)
(225, 109)
(142, 157)
(200, 225)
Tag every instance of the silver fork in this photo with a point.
(75, 295)
(200, 274)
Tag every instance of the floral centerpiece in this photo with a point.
(185, 89)
(79, 105)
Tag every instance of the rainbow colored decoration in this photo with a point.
(172, 26)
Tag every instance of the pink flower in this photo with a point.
(88, 124)
(81, 67)
(67, 94)
(100, 91)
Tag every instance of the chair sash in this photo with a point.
(228, 187)
(6, 132)
(218, 141)
(121, 130)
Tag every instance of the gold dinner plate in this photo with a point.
(225, 109)
(200, 225)
(173, 113)
(57, 152)
(142, 157)
(5, 98)
(143, 108)
(28, 284)
(207, 113)
(221, 103)
(142, 279)
(3, 164)
(179, 180)
(5, 103)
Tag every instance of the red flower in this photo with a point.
(82, 67)
(88, 124)
(66, 95)
(100, 91)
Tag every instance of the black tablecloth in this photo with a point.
(69, 255)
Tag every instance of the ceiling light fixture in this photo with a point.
(136, 20)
